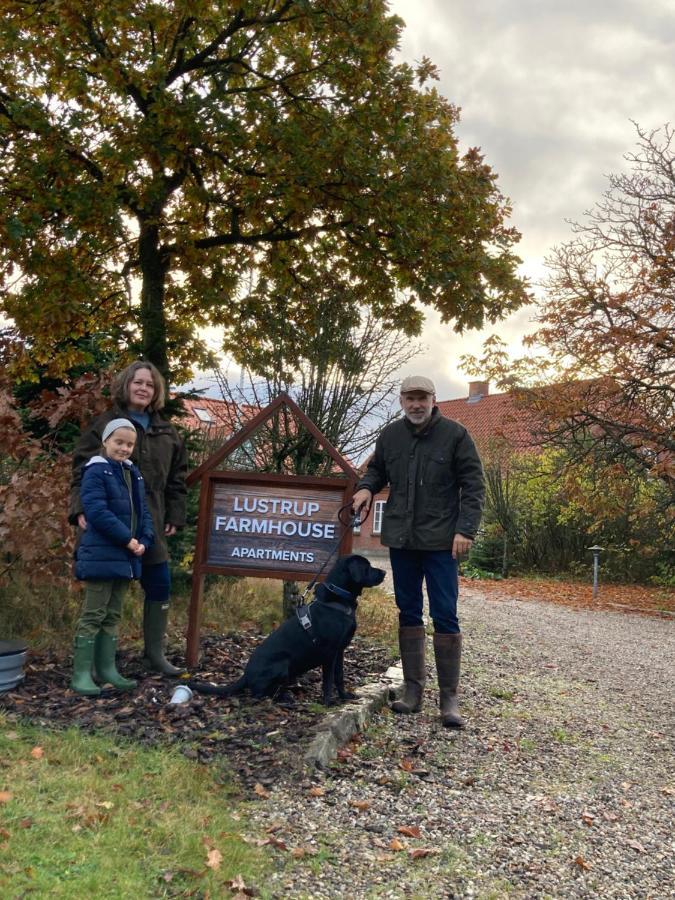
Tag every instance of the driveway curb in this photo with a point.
(338, 727)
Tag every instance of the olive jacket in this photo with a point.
(160, 455)
(436, 484)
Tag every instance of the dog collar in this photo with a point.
(341, 592)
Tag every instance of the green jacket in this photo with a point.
(160, 455)
(436, 485)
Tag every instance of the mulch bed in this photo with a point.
(255, 741)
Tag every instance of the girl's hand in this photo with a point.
(140, 550)
(82, 522)
(133, 545)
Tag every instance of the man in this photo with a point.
(436, 495)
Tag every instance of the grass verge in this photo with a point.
(88, 816)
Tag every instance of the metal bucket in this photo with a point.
(12, 657)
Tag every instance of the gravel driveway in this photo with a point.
(561, 785)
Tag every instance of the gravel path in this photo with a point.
(561, 786)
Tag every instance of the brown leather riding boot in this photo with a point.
(411, 640)
(448, 653)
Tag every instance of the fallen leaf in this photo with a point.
(214, 859)
(316, 792)
(636, 845)
(11, 735)
(105, 804)
(26, 823)
(421, 852)
(5, 796)
(239, 885)
(588, 819)
(410, 831)
(275, 842)
(261, 791)
(396, 845)
(407, 765)
(37, 752)
(4, 834)
(581, 862)
(361, 804)
(298, 852)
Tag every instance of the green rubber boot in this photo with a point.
(155, 616)
(83, 654)
(104, 655)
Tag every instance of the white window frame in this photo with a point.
(203, 415)
(378, 511)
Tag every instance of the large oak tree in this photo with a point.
(177, 146)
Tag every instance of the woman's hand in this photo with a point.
(169, 529)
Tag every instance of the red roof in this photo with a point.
(495, 417)
(217, 417)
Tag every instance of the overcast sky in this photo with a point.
(547, 90)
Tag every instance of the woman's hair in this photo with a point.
(120, 385)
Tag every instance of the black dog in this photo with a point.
(316, 635)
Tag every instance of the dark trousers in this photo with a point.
(437, 567)
(156, 582)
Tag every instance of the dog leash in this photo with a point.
(352, 521)
(302, 609)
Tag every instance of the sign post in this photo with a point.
(264, 524)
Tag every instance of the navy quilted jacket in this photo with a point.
(106, 501)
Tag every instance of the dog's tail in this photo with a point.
(220, 690)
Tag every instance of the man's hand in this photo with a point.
(361, 501)
(461, 545)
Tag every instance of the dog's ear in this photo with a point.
(358, 566)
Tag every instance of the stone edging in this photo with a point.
(338, 727)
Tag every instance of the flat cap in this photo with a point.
(417, 383)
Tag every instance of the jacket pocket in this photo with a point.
(437, 470)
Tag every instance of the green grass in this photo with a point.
(86, 816)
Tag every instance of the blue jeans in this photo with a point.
(437, 567)
(156, 582)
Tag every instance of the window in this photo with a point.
(378, 509)
(203, 415)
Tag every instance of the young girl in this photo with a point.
(117, 534)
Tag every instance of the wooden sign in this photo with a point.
(268, 526)
(263, 524)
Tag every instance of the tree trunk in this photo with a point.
(291, 598)
(154, 266)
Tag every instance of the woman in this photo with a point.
(139, 393)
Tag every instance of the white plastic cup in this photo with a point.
(182, 694)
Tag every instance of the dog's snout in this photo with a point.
(377, 577)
